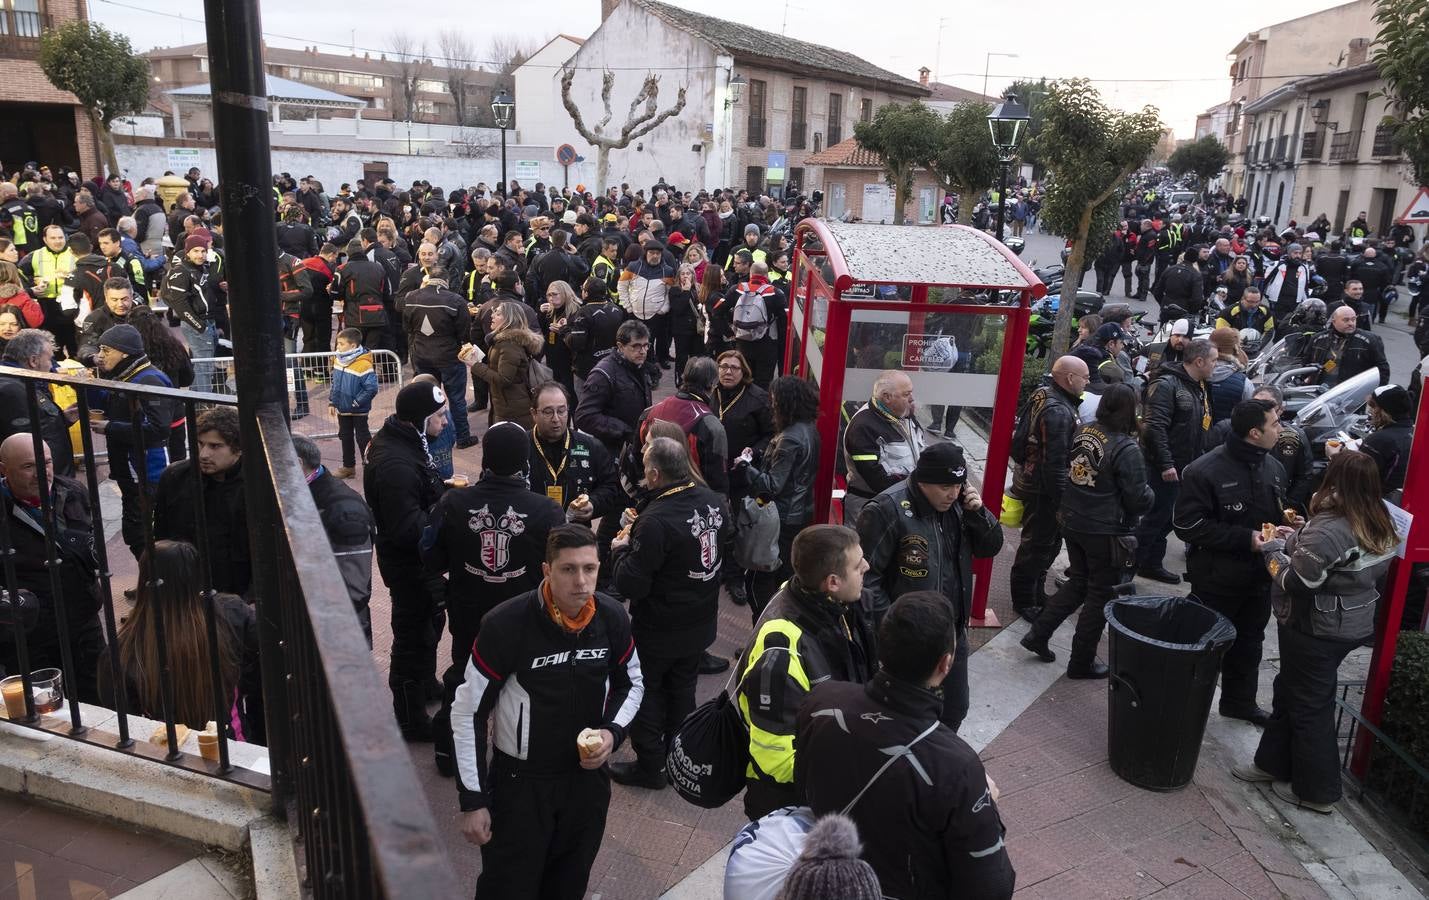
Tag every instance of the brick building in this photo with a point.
(854, 184)
(37, 120)
(378, 81)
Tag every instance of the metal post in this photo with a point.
(240, 126)
(1001, 197)
(999, 444)
(505, 185)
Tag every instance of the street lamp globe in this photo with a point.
(736, 88)
(1006, 122)
(502, 108)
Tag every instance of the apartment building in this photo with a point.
(393, 89)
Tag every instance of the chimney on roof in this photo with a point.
(923, 74)
(1359, 52)
(607, 7)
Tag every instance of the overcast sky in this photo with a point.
(1175, 61)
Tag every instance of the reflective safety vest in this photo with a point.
(52, 267)
(771, 752)
(1175, 234)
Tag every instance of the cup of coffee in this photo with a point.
(208, 746)
(13, 690)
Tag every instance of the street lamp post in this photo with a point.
(1006, 122)
(502, 108)
(987, 67)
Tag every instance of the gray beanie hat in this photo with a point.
(829, 867)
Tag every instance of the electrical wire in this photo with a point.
(499, 64)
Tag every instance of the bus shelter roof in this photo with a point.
(949, 255)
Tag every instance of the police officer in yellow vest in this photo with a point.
(814, 630)
(18, 220)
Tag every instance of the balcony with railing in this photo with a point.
(798, 135)
(1252, 153)
(755, 134)
(1384, 140)
(1312, 146)
(1345, 147)
(1282, 149)
(20, 32)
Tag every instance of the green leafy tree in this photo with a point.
(1032, 94)
(1402, 54)
(1090, 151)
(905, 136)
(1205, 158)
(101, 69)
(965, 162)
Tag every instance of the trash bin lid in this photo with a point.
(1175, 623)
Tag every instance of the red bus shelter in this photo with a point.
(1415, 550)
(947, 305)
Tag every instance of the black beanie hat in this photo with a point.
(1394, 400)
(418, 400)
(505, 449)
(941, 463)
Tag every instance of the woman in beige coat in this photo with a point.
(512, 346)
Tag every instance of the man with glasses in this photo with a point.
(569, 466)
(617, 391)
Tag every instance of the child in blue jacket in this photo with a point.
(354, 384)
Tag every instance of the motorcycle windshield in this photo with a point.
(1334, 406)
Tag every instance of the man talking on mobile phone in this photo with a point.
(922, 534)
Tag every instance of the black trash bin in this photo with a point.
(1165, 656)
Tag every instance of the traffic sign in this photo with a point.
(1417, 212)
(565, 154)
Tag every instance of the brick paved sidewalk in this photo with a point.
(1076, 830)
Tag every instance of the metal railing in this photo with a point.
(18, 634)
(340, 769)
(1282, 148)
(20, 32)
(1395, 781)
(1345, 146)
(756, 131)
(1385, 143)
(309, 385)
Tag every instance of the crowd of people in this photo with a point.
(580, 573)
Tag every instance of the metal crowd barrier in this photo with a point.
(309, 381)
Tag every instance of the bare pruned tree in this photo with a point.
(473, 143)
(458, 54)
(409, 55)
(506, 52)
(642, 118)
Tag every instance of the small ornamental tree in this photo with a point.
(1090, 151)
(101, 69)
(643, 117)
(1205, 158)
(1402, 54)
(905, 136)
(965, 162)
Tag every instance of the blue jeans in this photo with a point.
(201, 345)
(1156, 524)
(453, 379)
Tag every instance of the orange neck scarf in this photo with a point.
(573, 625)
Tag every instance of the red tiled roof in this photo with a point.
(846, 154)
